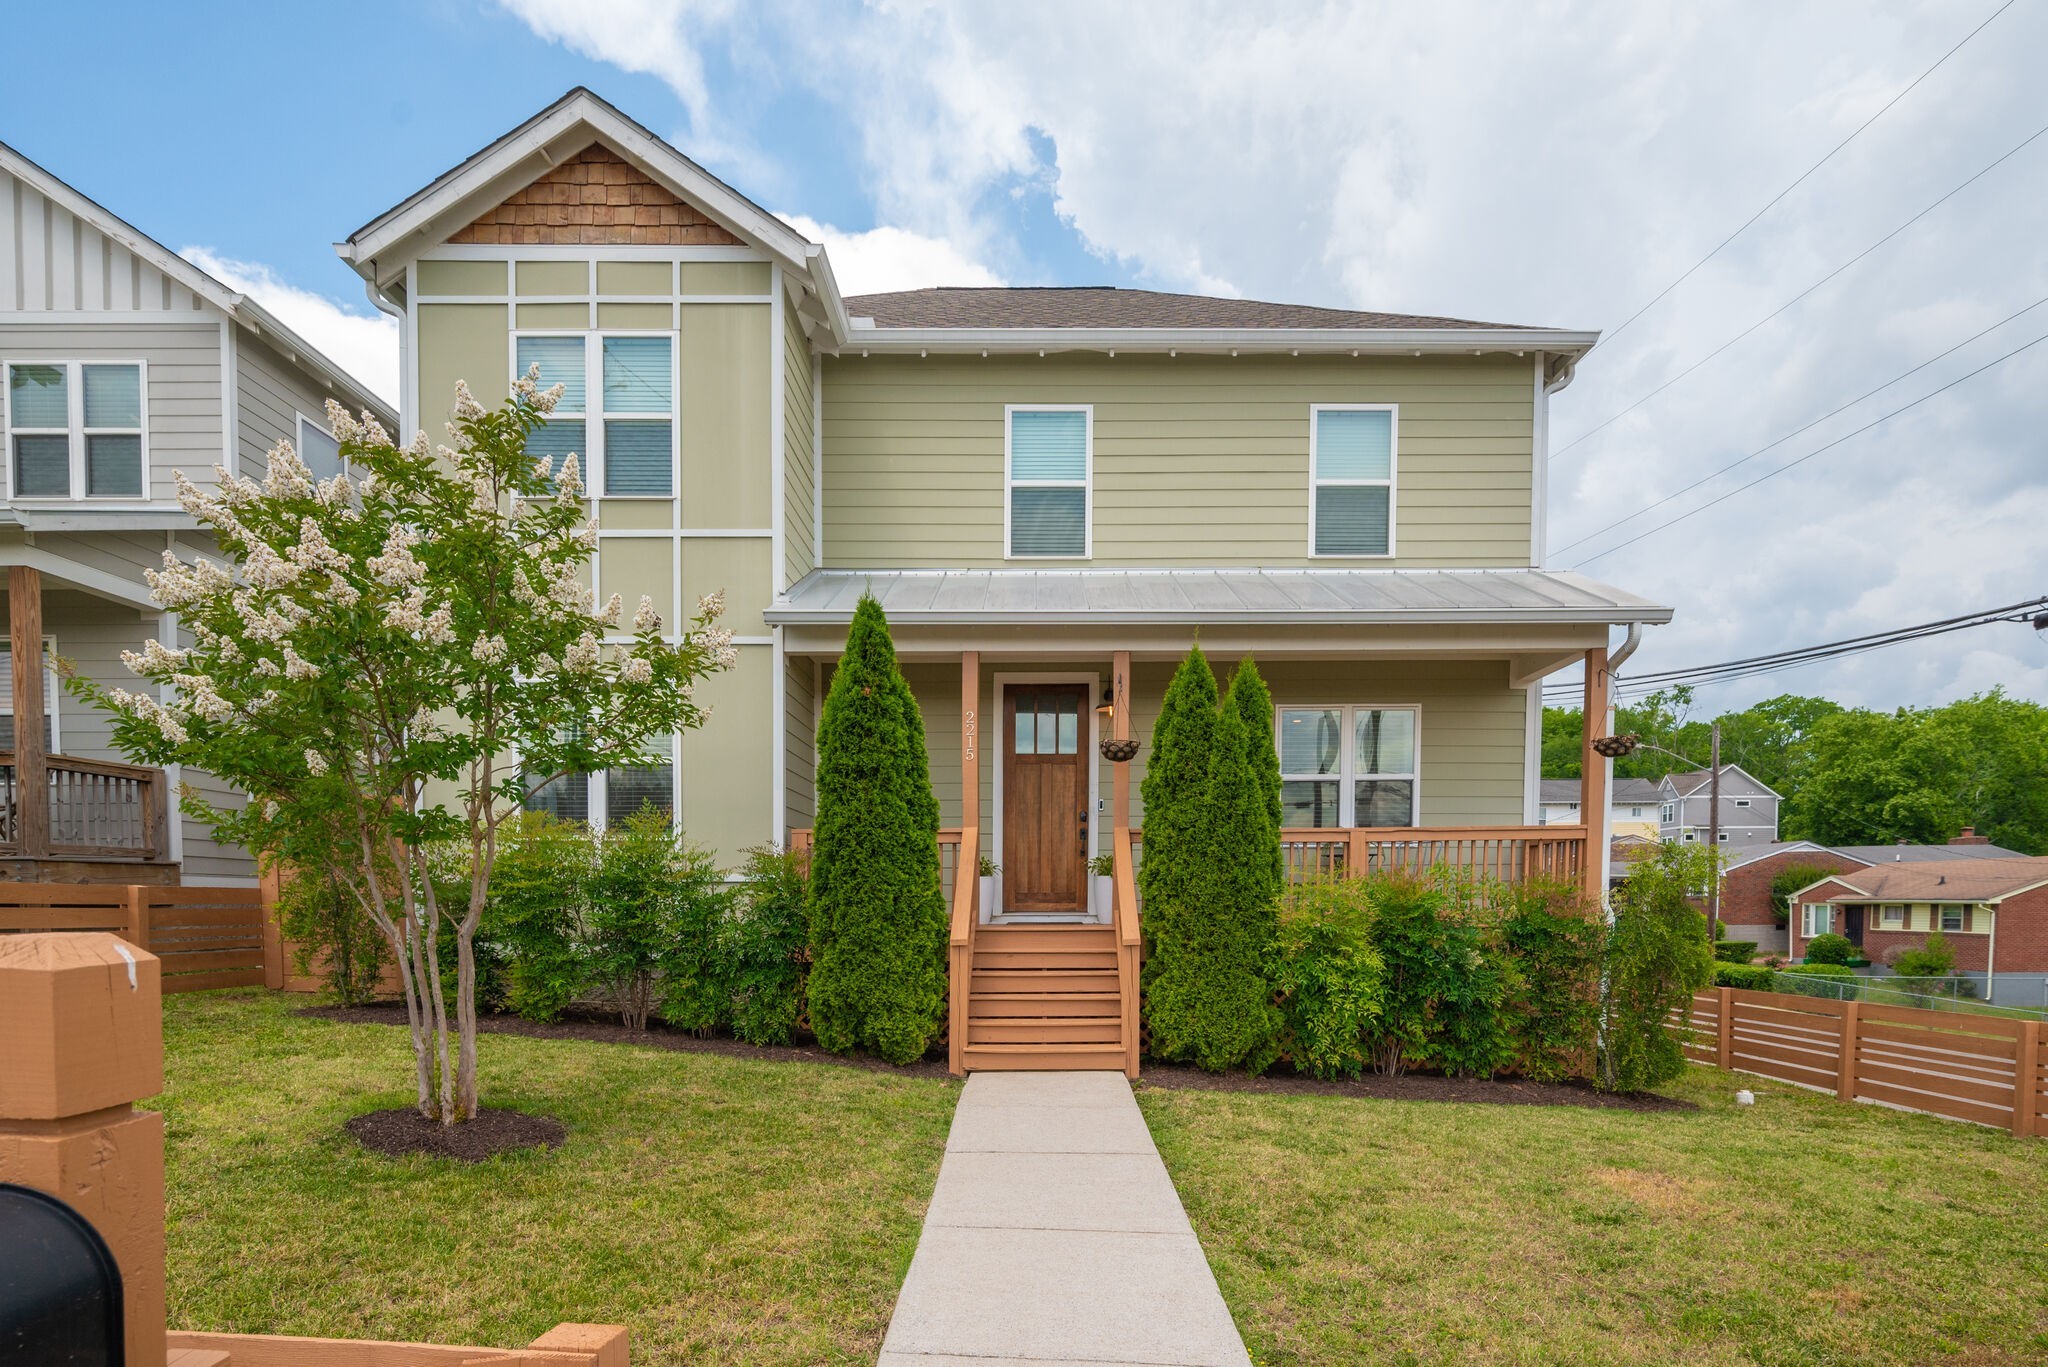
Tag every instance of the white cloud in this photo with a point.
(885, 259)
(363, 344)
(1541, 165)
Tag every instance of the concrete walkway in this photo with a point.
(1055, 1236)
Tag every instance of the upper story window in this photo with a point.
(318, 449)
(627, 439)
(1351, 480)
(1742, 802)
(75, 430)
(1348, 766)
(1046, 481)
(1668, 813)
(1954, 918)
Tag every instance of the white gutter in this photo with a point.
(1082, 615)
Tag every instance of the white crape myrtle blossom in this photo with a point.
(316, 763)
(490, 650)
(582, 657)
(613, 607)
(154, 655)
(148, 709)
(712, 605)
(636, 671)
(645, 618)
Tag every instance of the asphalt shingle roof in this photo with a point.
(1946, 880)
(1108, 306)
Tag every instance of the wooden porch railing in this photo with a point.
(1512, 854)
(1130, 951)
(801, 837)
(97, 809)
(960, 944)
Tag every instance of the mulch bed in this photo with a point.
(1417, 1087)
(493, 1130)
(607, 1030)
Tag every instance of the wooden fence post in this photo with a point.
(138, 917)
(1724, 1023)
(1845, 1078)
(2026, 1099)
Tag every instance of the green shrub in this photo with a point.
(878, 922)
(1750, 977)
(1734, 951)
(1327, 975)
(535, 914)
(1554, 941)
(765, 948)
(1209, 1001)
(1934, 959)
(1835, 982)
(1441, 992)
(333, 934)
(1819, 970)
(1176, 777)
(650, 924)
(1789, 880)
(1829, 949)
(1657, 958)
(1253, 703)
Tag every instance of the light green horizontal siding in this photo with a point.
(1197, 459)
(799, 507)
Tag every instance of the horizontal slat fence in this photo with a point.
(1985, 1069)
(205, 937)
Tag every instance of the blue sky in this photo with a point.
(1551, 165)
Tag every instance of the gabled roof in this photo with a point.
(1688, 782)
(1634, 791)
(1944, 880)
(380, 249)
(1108, 306)
(1176, 596)
(237, 306)
(1876, 854)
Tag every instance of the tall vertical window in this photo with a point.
(639, 416)
(1348, 766)
(1046, 481)
(318, 449)
(74, 430)
(562, 361)
(1816, 918)
(52, 694)
(1351, 496)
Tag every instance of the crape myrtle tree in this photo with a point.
(401, 654)
(877, 913)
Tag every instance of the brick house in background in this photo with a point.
(1748, 912)
(1992, 911)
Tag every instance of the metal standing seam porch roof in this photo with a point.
(1168, 596)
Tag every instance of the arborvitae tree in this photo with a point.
(878, 915)
(1209, 1000)
(1176, 772)
(1254, 703)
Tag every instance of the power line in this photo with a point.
(1750, 222)
(1708, 478)
(1613, 418)
(1818, 450)
(1730, 670)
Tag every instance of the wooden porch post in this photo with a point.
(31, 771)
(1593, 774)
(1120, 729)
(970, 756)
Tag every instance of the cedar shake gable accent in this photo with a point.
(596, 198)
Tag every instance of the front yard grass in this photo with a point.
(1799, 1230)
(724, 1209)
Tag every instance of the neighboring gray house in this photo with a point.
(1632, 809)
(121, 364)
(1749, 810)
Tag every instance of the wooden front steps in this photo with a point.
(1044, 997)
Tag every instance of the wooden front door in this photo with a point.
(1045, 798)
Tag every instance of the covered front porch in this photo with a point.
(1409, 738)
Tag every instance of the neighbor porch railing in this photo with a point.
(96, 809)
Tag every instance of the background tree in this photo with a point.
(1209, 1000)
(388, 638)
(878, 915)
(1176, 777)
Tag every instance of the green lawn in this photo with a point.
(1797, 1231)
(726, 1210)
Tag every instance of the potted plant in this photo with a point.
(1101, 885)
(990, 874)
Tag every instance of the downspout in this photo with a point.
(1991, 954)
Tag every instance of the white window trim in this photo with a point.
(1393, 410)
(1347, 777)
(1941, 915)
(53, 694)
(593, 414)
(1892, 914)
(75, 431)
(1087, 410)
(1812, 914)
(1742, 802)
(318, 425)
(597, 782)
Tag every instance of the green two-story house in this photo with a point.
(1052, 492)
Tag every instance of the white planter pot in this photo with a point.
(990, 893)
(1101, 895)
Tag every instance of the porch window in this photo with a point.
(1894, 915)
(1351, 492)
(1816, 918)
(1046, 475)
(51, 694)
(608, 797)
(75, 430)
(1348, 766)
(1954, 918)
(318, 449)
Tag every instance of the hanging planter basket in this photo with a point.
(1119, 751)
(1614, 747)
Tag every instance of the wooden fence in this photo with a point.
(1986, 1069)
(206, 937)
